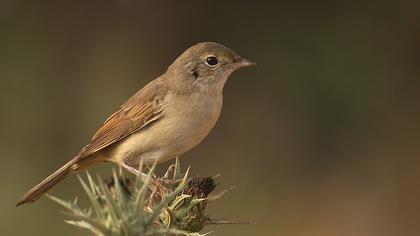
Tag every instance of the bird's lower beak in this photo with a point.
(245, 62)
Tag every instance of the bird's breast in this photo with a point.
(189, 119)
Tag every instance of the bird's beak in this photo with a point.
(245, 62)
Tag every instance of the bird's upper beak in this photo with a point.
(242, 62)
(245, 62)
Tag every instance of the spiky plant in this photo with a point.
(150, 205)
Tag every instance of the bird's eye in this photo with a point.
(212, 61)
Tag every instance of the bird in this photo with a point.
(163, 120)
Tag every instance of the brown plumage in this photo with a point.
(139, 111)
(166, 118)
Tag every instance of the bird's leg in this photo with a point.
(134, 170)
(140, 174)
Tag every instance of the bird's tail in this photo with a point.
(37, 191)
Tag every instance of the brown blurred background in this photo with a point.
(321, 139)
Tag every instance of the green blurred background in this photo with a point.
(322, 138)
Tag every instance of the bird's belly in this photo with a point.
(174, 134)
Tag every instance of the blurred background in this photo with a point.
(322, 138)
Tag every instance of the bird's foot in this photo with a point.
(134, 170)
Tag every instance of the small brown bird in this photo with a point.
(163, 120)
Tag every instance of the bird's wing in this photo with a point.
(143, 109)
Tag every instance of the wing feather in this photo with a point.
(141, 110)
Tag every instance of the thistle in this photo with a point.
(150, 205)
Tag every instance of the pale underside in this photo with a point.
(154, 127)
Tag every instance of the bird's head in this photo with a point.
(207, 65)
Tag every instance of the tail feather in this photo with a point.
(36, 192)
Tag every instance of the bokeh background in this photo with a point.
(322, 138)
